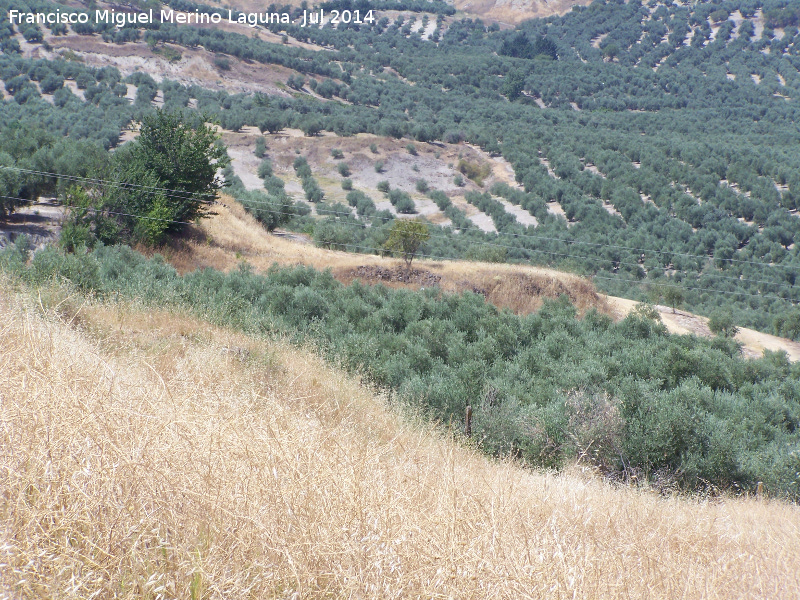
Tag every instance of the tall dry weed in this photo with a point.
(150, 455)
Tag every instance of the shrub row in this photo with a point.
(546, 387)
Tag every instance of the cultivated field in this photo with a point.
(233, 235)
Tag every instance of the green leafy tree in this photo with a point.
(11, 184)
(406, 238)
(273, 123)
(86, 222)
(673, 296)
(721, 323)
(310, 126)
(168, 175)
(513, 84)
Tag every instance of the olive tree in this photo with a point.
(406, 238)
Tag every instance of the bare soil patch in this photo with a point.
(375, 273)
(40, 221)
(681, 322)
(194, 68)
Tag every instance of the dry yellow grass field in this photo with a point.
(234, 235)
(152, 455)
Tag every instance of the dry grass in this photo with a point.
(233, 235)
(151, 455)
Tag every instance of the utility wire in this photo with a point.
(442, 235)
(594, 244)
(524, 249)
(435, 257)
(101, 211)
(178, 194)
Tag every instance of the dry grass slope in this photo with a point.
(234, 235)
(151, 455)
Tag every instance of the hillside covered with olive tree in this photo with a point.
(649, 147)
(652, 144)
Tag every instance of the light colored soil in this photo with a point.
(515, 11)
(73, 87)
(480, 219)
(194, 68)
(599, 40)
(758, 22)
(502, 11)
(398, 170)
(522, 215)
(158, 100)
(428, 31)
(611, 210)
(503, 171)
(483, 222)
(41, 222)
(681, 322)
(245, 165)
(546, 163)
(554, 208)
(593, 169)
(737, 18)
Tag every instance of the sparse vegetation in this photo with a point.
(310, 186)
(223, 63)
(476, 172)
(261, 147)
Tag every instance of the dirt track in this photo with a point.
(681, 322)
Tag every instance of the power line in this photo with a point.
(595, 244)
(177, 194)
(611, 261)
(435, 257)
(635, 281)
(524, 249)
(110, 212)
